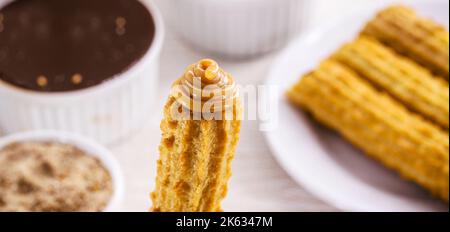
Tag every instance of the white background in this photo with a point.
(258, 182)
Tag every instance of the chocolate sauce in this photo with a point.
(66, 45)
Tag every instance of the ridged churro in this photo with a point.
(414, 36)
(383, 128)
(406, 81)
(196, 154)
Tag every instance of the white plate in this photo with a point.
(317, 158)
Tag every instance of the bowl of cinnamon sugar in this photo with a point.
(47, 171)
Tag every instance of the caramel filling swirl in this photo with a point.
(205, 87)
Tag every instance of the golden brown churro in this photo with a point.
(406, 81)
(419, 38)
(195, 155)
(383, 128)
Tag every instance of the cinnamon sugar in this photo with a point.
(51, 177)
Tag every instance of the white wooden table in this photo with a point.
(258, 182)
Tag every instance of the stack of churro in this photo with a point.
(198, 145)
(379, 93)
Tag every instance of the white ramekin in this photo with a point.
(107, 112)
(238, 28)
(90, 147)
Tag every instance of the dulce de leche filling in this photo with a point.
(205, 87)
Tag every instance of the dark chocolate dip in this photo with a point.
(66, 45)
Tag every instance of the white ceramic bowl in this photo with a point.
(106, 112)
(90, 147)
(238, 28)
